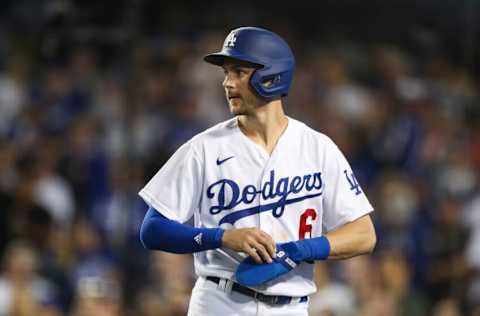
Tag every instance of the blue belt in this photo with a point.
(269, 299)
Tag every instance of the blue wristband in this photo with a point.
(317, 248)
(217, 238)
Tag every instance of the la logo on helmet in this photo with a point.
(230, 40)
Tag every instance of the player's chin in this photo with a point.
(236, 108)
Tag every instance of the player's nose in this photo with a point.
(228, 82)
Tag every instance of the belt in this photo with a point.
(269, 299)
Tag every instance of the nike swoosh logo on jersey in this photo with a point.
(219, 162)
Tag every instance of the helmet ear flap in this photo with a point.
(271, 82)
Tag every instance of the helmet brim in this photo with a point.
(218, 59)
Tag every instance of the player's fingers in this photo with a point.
(262, 251)
(269, 244)
(252, 252)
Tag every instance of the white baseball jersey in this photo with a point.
(222, 178)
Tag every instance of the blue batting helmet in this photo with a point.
(266, 50)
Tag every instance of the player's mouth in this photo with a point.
(233, 97)
(236, 101)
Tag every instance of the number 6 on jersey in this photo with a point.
(306, 220)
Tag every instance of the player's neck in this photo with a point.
(266, 125)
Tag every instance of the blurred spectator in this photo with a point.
(170, 280)
(211, 107)
(447, 307)
(446, 274)
(13, 93)
(350, 101)
(60, 101)
(23, 217)
(8, 173)
(471, 219)
(84, 163)
(151, 303)
(110, 112)
(151, 121)
(51, 190)
(332, 298)
(93, 258)
(396, 280)
(22, 291)
(397, 203)
(113, 213)
(96, 296)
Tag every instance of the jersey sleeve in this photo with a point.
(343, 198)
(176, 188)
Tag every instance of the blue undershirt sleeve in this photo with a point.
(160, 233)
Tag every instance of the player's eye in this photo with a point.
(243, 72)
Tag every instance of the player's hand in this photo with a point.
(252, 241)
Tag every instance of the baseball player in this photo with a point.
(268, 194)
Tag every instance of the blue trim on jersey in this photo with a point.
(235, 216)
(160, 233)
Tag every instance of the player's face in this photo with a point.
(241, 98)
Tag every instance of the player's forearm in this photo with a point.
(160, 233)
(352, 239)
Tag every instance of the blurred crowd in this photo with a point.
(80, 136)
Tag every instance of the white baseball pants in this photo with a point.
(211, 299)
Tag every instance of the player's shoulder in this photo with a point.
(311, 134)
(215, 133)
